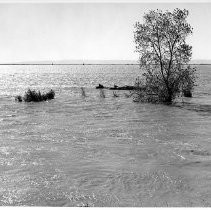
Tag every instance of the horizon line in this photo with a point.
(104, 1)
(79, 64)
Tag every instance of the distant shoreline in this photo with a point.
(73, 64)
(79, 64)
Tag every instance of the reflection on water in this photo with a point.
(94, 151)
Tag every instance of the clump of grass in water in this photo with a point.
(102, 93)
(35, 96)
(83, 92)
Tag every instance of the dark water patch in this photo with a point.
(195, 166)
(191, 163)
(196, 152)
(203, 109)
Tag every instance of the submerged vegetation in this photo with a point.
(83, 93)
(35, 96)
(115, 94)
(102, 93)
(164, 56)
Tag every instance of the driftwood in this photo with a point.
(126, 87)
(186, 93)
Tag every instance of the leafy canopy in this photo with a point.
(164, 53)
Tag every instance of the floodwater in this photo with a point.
(95, 151)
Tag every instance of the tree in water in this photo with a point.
(164, 55)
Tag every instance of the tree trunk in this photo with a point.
(169, 97)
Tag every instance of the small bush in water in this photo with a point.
(32, 95)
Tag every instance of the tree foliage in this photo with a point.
(164, 55)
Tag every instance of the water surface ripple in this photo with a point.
(93, 151)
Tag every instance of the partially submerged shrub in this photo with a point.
(32, 95)
(187, 93)
(153, 89)
(19, 98)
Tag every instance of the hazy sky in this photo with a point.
(58, 31)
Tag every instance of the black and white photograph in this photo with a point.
(105, 103)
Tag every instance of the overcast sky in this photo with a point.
(58, 31)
